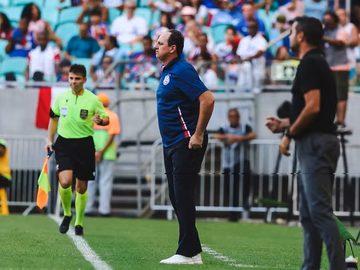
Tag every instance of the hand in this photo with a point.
(48, 147)
(274, 124)
(98, 156)
(232, 139)
(96, 118)
(196, 141)
(284, 146)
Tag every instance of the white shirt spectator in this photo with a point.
(209, 78)
(223, 49)
(290, 14)
(43, 61)
(190, 46)
(112, 3)
(251, 75)
(127, 30)
(249, 46)
(164, 7)
(352, 53)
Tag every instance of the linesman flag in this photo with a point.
(44, 185)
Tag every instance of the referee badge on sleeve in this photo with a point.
(84, 114)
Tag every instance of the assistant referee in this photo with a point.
(311, 124)
(184, 109)
(77, 109)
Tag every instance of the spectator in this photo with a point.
(225, 48)
(98, 30)
(104, 138)
(5, 171)
(64, 71)
(187, 14)
(21, 41)
(111, 49)
(133, 72)
(251, 51)
(290, 11)
(82, 46)
(201, 11)
(170, 6)
(193, 36)
(165, 25)
(223, 16)
(315, 8)
(201, 46)
(207, 74)
(236, 162)
(226, 51)
(89, 6)
(105, 82)
(113, 4)
(44, 59)
(280, 27)
(249, 14)
(129, 28)
(5, 27)
(336, 39)
(32, 13)
(353, 34)
(74, 3)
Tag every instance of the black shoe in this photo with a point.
(79, 230)
(64, 226)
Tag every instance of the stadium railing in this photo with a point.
(26, 157)
(273, 184)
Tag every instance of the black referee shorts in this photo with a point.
(77, 155)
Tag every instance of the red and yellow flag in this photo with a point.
(44, 186)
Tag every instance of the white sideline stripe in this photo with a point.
(84, 248)
(232, 262)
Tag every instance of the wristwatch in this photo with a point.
(101, 122)
(287, 133)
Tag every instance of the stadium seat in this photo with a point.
(39, 3)
(218, 32)
(5, 3)
(113, 14)
(15, 65)
(138, 47)
(13, 13)
(143, 3)
(3, 44)
(155, 17)
(67, 31)
(83, 61)
(206, 30)
(51, 15)
(57, 4)
(145, 13)
(153, 83)
(69, 15)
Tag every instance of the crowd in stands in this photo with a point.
(51, 35)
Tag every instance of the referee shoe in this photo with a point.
(64, 226)
(79, 230)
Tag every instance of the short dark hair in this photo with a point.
(333, 15)
(234, 110)
(95, 12)
(78, 69)
(147, 38)
(312, 28)
(232, 28)
(113, 41)
(177, 39)
(253, 21)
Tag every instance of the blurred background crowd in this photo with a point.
(41, 38)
